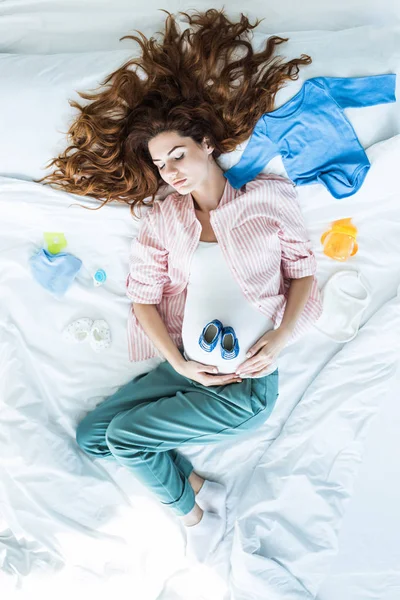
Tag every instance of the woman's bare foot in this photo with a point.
(196, 482)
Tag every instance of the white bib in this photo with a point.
(213, 293)
(345, 297)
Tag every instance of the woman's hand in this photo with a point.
(264, 352)
(200, 373)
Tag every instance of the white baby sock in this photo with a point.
(78, 331)
(203, 538)
(100, 335)
(97, 332)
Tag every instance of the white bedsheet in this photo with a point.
(289, 518)
(69, 523)
(76, 520)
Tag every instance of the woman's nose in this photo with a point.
(172, 173)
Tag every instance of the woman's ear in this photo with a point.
(209, 148)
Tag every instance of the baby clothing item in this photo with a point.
(229, 344)
(78, 331)
(345, 297)
(215, 332)
(214, 294)
(313, 135)
(97, 332)
(210, 335)
(100, 335)
(55, 272)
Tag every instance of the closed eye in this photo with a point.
(177, 158)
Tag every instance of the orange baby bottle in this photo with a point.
(340, 241)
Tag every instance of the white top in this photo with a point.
(213, 293)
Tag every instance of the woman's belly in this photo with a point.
(249, 325)
(214, 293)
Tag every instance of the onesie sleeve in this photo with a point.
(148, 266)
(353, 92)
(257, 154)
(297, 257)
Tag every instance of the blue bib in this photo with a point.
(55, 272)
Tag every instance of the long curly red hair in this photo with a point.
(195, 84)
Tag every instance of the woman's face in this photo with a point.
(187, 161)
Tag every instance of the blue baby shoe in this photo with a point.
(229, 343)
(210, 334)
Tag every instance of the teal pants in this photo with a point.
(146, 420)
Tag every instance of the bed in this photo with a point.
(313, 495)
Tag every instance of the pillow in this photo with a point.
(36, 88)
(34, 108)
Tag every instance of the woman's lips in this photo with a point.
(181, 182)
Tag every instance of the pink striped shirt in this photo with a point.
(262, 235)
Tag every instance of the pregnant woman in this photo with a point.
(220, 279)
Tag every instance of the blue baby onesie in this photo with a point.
(313, 135)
